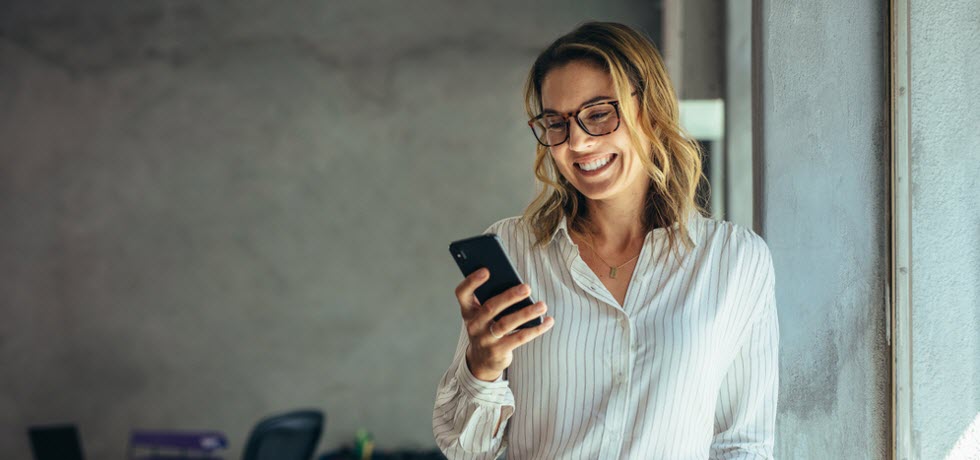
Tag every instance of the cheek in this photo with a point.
(560, 159)
(625, 147)
(633, 164)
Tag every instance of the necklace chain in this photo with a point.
(612, 269)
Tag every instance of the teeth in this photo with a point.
(595, 164)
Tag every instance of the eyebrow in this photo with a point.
(590, 101)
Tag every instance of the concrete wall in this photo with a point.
(822, 179)
(212, 211)
(945, 227)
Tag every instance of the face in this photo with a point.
(619, 175)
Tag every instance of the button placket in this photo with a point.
(625, 373)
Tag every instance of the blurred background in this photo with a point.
(215, 211)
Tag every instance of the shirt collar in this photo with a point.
(561, 230)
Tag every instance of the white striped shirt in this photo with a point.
(686, 368)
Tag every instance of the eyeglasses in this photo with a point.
(599, 119)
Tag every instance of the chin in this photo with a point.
(597, 191)
(615, 187)
(599, 195)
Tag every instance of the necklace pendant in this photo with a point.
(612, 272)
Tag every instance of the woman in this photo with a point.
(663, 337)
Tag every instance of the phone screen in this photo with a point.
(477, 252)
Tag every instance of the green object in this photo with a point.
(363, 445)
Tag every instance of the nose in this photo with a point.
(578, 139)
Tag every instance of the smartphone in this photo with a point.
(485, 250)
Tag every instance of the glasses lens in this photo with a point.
(599, 119)
(550, 129)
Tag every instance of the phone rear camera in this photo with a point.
(461, 255)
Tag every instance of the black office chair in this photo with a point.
(290, 436)
(55, 442)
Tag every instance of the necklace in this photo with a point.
(612, 270)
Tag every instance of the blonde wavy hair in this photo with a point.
(672, 159)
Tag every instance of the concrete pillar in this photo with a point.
(822, 208)
(945, 269)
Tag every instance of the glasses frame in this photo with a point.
(578, 121)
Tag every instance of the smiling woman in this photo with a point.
(614, 64)
(596, 166)
(665, 330)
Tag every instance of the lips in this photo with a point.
(595, 164)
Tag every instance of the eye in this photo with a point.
(553, 123)
(599, 115)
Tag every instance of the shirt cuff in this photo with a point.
(493, 393)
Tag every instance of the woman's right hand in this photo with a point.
(488, 356)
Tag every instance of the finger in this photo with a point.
(523, 336)
(512, 321)
(498, 303)
(465, 290)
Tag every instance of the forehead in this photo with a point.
(567, 87)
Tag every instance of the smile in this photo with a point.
(596, 165)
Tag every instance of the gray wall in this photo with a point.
(821, 173)
(945, 225)
(212, 211)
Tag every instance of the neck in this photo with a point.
(617, 223)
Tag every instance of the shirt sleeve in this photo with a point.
(745, 415)
(467, 411)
